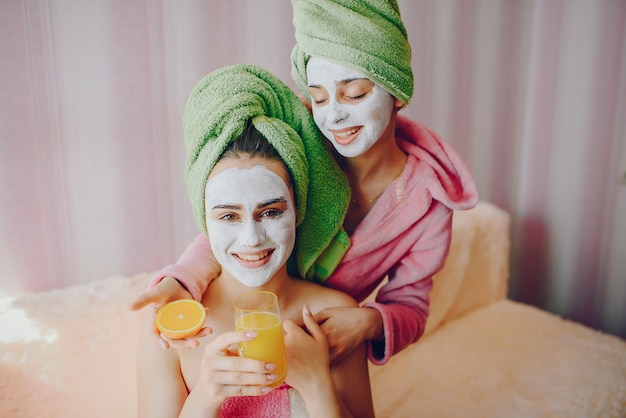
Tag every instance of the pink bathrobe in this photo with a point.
(405, 236)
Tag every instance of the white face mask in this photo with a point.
(251, 221)
(349, 109)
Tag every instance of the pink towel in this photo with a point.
(273, 405)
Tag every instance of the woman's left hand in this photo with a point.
(307, 353)
(347, 328)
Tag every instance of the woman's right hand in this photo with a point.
(223, 374)
(167, 290)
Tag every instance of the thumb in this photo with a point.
(311, 324)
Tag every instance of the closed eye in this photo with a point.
(360, 96)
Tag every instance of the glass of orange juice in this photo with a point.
(258, 311)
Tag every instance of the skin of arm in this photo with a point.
(161, 391)
(341, 391)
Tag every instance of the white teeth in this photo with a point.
(346, 133)
(253, 257)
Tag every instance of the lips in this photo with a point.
(253, 260)
(346, 136)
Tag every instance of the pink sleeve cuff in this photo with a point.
(178, 272)
(380, 351)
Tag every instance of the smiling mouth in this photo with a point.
(254, 258)
(346, 136)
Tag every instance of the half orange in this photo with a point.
(181, 318)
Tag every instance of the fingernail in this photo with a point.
(272, 377)
(265, 389)
(251, 334)
(270, 366)
(306, 310)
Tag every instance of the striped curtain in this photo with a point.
(531, 93)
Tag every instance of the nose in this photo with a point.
(336, 112)
(252, 235)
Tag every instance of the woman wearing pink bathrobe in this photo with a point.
(406, 182)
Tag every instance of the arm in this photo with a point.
(161, 390)
(341, 391)
(398, 317)
(195, 269)
(189, 277)
(403, 303)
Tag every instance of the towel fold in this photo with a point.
(365, 35)
(218, 110)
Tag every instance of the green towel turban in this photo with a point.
(218, 110)
(365, 35)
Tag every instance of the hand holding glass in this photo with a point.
(258, 311)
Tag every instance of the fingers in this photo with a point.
(149, 296)
(230, 391)
(312, 325)
(237, 376)
(227, 339)
(166, 290)
(242, 371)
(185, 343)
(323, 315)
(291, 327)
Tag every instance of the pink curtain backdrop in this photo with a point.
(531, 93)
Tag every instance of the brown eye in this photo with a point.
(271, 213)
(228, 217)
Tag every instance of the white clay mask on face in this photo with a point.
(251, 221)
(352, 117)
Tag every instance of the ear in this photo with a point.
(398, 104)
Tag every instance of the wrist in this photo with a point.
(321, 397)
(374, 324)
(197, 404)
(173, 281)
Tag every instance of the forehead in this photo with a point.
(235, 180)
(321, 70)
(250, 161)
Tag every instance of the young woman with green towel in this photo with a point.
(246, 136)
(405, 181)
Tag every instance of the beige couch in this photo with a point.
(71, 352)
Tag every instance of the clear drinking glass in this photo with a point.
(258, 311)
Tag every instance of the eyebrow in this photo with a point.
(259, 206)
(271, 202)
(350, 80)
(226, 206)
(342, 82)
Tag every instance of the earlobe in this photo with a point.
(398, 104)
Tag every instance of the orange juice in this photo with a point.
(269, 345)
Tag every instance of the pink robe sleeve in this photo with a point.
(195, 268)
(403, 302)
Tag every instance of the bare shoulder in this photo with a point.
(320, 297)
